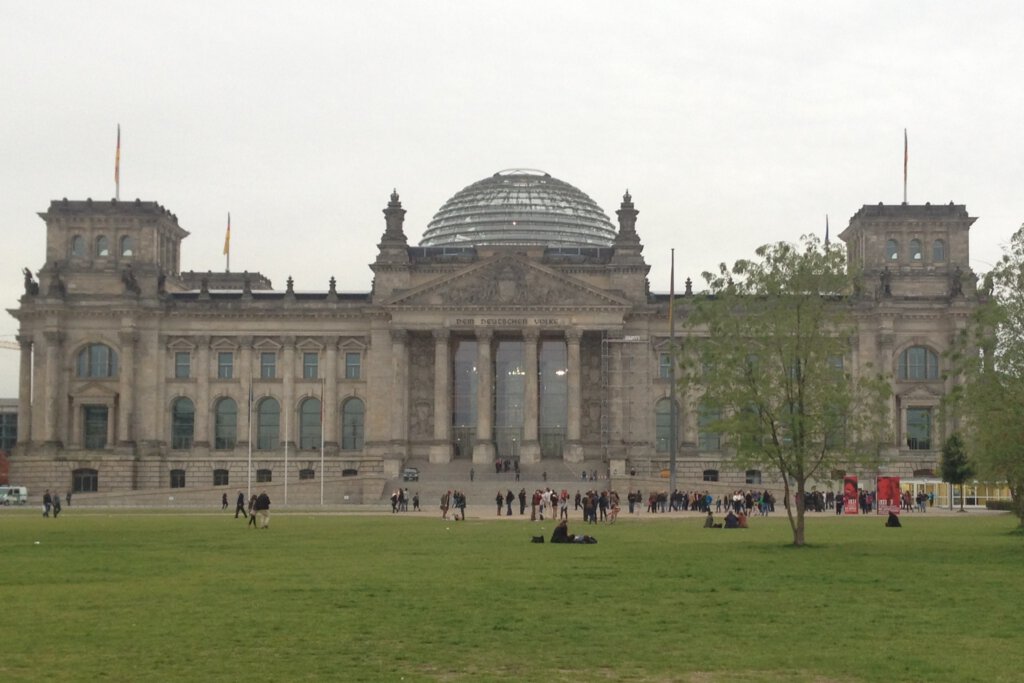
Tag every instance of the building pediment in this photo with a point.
(922, 392)
(507, 280)
(97, 391)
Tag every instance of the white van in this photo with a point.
(16, 495)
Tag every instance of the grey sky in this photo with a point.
(732, 124)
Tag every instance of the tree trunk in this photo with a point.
(962, 497)
(798, 528)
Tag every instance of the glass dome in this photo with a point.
(519, 207)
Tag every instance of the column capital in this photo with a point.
(574, 334)
(442, 334)
(484, 334)
(330, 341)
(399, 336)
(53, 337)
(203, 341)
(128, 337)
(25, 340)
(245, 341)
(288, 341)
(531, 335)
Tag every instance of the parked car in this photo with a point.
(13, 495)
(410, 474)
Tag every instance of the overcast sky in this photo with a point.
(732, 124)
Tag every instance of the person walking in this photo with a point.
(56, 505)
(68, 498)
(224, 501)
(252, 511)
(240, 505)
(263, 509)
(47, 503)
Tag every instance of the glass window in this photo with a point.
(95, 422)
(919, 428)
(183, 423)
(268, 424)
(662, 426)
(225, 424)
(97, 360)
(309, 423)
(710, 475)
(264, 476)
(268, 365)
(708, 440)
(127, 245)
(102, 246)
(220, 478)
(352, 415)
(182, 364)
(78, 246)
(915, 250)
(307, 474)
(938, 251)
(509, 397)
(918, 362)
(553, 384)
(892, 250)
(753, 476)
(464, 396)
(177, 479)
(310, 363)
(8, 431)
(85, 480)
(225, 364)
(352, 361)
(664, 365)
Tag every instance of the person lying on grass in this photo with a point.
(561, 535)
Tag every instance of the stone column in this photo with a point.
(400, 395)
(245, 376)
(54, 390)
(126, 399)
(483, 446)
(288, 390)
(573, 451)
(201, 371)
(441, 448)
(25, 391)
(529, 452)
(330, 397)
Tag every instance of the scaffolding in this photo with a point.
(625, 389)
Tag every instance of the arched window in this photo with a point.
(225, 424)
(268, 424)
(915, 250)
(892, 250)
(938, 251)
(918, 362)
(127, 245)
(78, 246)
(183, 423)
(96, 360)
(352, 416)
(710, 475)
(663, 426)
(309, 423)
(102, 246)
(708, 440)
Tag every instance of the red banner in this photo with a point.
(888, 489)
(850, 500)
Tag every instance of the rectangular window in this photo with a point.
(708, 440)
(268, 365)
(264, 476)
(919, 429)
(8, 431)
(95, 420)
(220, 478)
(352, 361)
(310, 363)
(225, 365)
(177, 479)
(182, 364)
(664, 365)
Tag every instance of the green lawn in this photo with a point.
(154, 597)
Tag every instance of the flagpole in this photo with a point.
(673, 412)
(117, 166)
(287, 435)
(905, 159)
(249, 484)
(227, 246)
(322, 389)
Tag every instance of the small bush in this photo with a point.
(1005, 505)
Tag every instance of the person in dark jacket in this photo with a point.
(263, 509)
(240, 505)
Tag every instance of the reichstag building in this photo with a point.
(521, 327)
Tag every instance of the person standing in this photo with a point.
(263, 509)
(522, 501)
(252, 510)
(499, 499)
(416, 502)
(56, 505)
(68, 498)
(224, 501)
(509, 497)
(47, 503)
(240, 505)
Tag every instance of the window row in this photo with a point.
(267, 365)
(915, 252)
(101, 246)
(267, 424)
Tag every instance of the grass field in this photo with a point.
(155, 597)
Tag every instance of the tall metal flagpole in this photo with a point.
(249, 476)
(117, 166)
(905, 159)
(287, 436)
(673, 410)
(322, 388)
(227, 246)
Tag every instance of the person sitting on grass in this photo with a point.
(893, 520)
(742, 520)
(709, 521)
(561, 535)
(731, 520)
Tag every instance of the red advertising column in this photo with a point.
(888, 489)
(850, 500)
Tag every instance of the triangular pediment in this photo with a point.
(95, 391)
(507, 280)
(921, 392)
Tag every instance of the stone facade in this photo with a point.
(144, 376)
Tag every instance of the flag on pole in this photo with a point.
(117, 165)
(227, 237)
